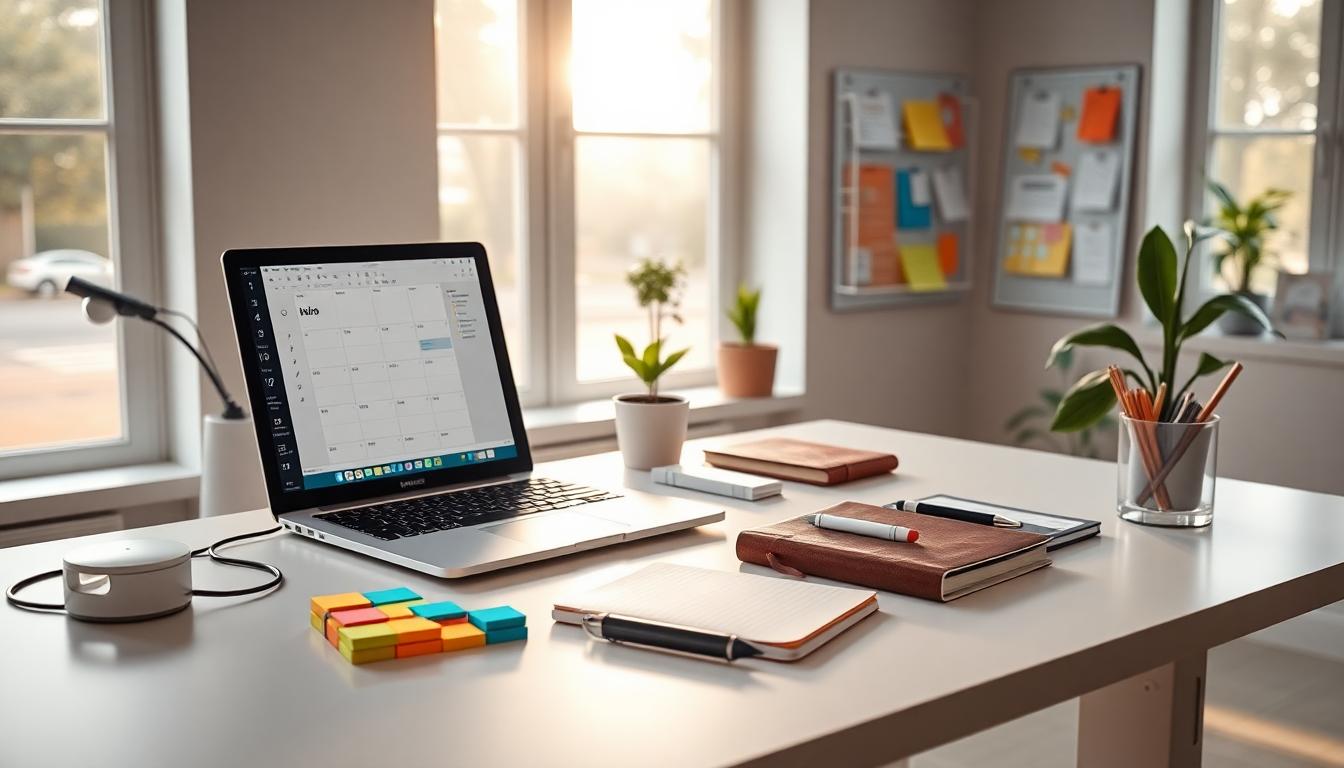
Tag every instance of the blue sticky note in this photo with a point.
(908, 214)
(505, 635)
(490, 619)
(394, 595)
(438, 611)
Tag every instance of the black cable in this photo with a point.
(231, 409)
(11, 594)
(200, 337)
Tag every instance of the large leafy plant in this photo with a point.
(743, 313)
(1243, 230)
(658, 289)
(1163, 279)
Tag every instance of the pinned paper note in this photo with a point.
(1063, 169)
(950, 108)
(922, 270)
(1101, 108)
(950, 191)
(870, 225)
(1037, 250)
(1096, 181)
(919, 188)
(1093, 244)
(1037, 197)
(924, 126)
(875, 121)
(910, 214)
(1038, 120)
(948, 256)
(1029, 155)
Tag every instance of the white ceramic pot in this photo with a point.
(231, 478)
(650, 434)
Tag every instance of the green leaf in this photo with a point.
(1100, 335)
(1228, 302)
(1086, 402)
(672, 360)
(637, 366)
(1224, 197)
(1157, 274)
(627, 349)
(651, 353)
(1023, 416)
(1207, 364)
(1052, 397)
(1060, 358)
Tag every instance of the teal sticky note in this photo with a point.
(490, 619)
(505, 635)
(438, 611)
(910, 213)
(394, 595)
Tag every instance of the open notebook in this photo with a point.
(788, 619)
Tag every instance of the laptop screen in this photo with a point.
(374, 369)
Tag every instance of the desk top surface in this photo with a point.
(247, 681)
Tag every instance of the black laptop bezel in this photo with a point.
(281, 501)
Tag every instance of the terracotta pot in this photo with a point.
(747, 370)
(650, 434)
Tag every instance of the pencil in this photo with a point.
(1158, 400)
(1191, 432)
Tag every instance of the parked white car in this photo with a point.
(45, 274)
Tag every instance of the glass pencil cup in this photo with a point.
(1165, 472)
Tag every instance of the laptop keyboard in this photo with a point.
(458, 509)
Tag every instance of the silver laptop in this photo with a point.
(388, 420)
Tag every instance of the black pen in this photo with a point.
(671, 638)
(952, 513)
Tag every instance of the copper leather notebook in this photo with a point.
(800, 460)
(950, 559)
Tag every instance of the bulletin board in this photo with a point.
(1069, 129)
(907, 237)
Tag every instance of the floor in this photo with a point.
(1266, 708)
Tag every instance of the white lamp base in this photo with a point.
(231, 478)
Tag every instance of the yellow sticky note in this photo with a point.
(315, 621)
(366, 655)
(1029, 154)
(455, 637)
(368, 636)
(323, 604)
(1037, 250)
(922, 270)
(924, 126)
(400, 610)
(414, 630)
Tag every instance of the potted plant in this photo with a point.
(651, 427)
(1243, 230)
(746, 369)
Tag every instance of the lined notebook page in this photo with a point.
(763, 609)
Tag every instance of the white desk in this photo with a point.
(248, 682)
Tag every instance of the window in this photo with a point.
(573, 166)
(1273, 67)
(64, 211)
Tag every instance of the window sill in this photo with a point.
(43, 498)
(1327, 353)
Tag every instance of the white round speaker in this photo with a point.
(127, 580)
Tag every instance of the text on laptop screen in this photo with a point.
(376, 368)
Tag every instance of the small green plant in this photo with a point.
(1243, 230)
(658, 289)
(743, 313)
(1162, 281)
(1030, 425)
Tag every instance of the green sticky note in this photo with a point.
(922, 270)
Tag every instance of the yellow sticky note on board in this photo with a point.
(922, 270)
(924, 126)
(1038, 250)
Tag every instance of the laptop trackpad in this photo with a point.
(559, 528)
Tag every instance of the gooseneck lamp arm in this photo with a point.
(99, 300)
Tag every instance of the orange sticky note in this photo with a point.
(419, 649)
(1101, 107)
(458, 636)
(323, 604)
(333, 632)
(947, 253)
(1062, 169)
(413, 630)
(950, 108)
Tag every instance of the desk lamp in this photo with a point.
(230, 472)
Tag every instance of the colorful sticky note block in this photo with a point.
(333, 632)
(364, 656)
(324, 604)
(500, 617)
(1101, 107)
(315, 620)
(455, 637)
(920, 262)
(924, 126)
(505, 635)
(909, 214)
(353, 617)
(440, 611)
(394, 595)
(421, 648)
(399, 610)
(1038, 250)
(414, 630)
(949, 107)
(948, 253)
(368, 635)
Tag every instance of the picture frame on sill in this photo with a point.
(1302, 304)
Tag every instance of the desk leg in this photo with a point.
(1153, 719)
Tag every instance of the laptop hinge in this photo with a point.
(415, 494)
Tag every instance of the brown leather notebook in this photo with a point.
(950, 559)
(800, 460)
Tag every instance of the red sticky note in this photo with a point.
(949, 107)
(947, 253)
(354, 617)
(1062, 169)
(1101, 108)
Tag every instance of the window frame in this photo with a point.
(133, 247)
(1325, 232)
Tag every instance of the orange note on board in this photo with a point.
(872, 238)
(949, 107)
(1101, 108)
(947, 253)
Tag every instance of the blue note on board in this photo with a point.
(394, 595)
(909, 214)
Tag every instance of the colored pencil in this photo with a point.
(1191, 432)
